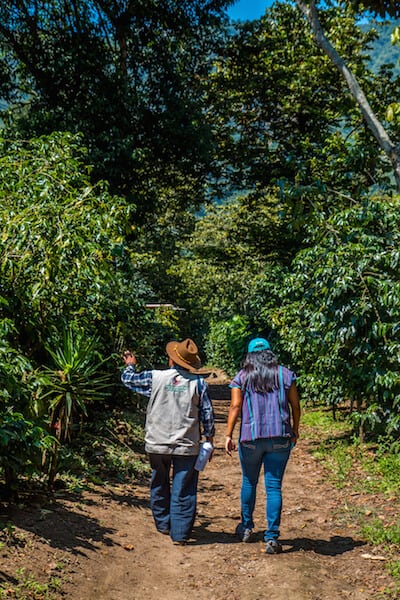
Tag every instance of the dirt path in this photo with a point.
(105, 547)
(321, 561)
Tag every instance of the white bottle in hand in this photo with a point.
(205, 452)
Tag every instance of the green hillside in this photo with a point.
(382, 50)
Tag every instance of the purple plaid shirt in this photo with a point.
(142, 384)
(265, 415)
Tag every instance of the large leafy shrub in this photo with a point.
(14, 386)
(72, 382)
(22, 443)
(341, 315)
(72, 290)
(62, 247)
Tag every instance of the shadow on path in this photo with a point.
(64, 528)
(65, 523)
(332, 547)
(202, 536)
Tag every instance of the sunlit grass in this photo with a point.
(364, 468)
(322, 422)
(340, 452)
(383, 473)
(377, 532)
(29, 587)
(338, 460)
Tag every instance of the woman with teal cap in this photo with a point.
(264, 395)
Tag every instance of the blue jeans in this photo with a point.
(174, 506)
(273, 453)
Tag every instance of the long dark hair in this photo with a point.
(261, 371)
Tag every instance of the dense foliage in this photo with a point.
(22, 443)
(128, 75)
(284, 113)
(64, 267)
(62, 247)
(121, 119)
(383, 8)
(341, 311)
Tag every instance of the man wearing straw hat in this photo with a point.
(179, 408)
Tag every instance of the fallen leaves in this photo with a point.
(129, 547)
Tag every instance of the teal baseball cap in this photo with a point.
(258, 344)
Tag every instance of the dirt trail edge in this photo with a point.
(105, 547)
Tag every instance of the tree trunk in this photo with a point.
(53, 468)
(361, 429)
(56, 432)
(10, 493)
(376, 127)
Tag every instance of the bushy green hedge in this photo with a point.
(340, 316)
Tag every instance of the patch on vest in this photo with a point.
(176, 387)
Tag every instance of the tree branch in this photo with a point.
(376, 127)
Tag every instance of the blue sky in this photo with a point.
(248, 9)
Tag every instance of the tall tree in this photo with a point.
(129, 75)
(282, 112)
(391, 149)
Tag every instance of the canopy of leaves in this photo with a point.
(301, 255)
(383, 8)
(285, 116)
(129, 75)
(234, 247)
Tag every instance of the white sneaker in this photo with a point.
(243, 533)
(273, 547)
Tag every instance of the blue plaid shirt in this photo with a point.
(142, 384)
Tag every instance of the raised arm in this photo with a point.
(137, 382)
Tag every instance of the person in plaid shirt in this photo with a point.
(179, 413)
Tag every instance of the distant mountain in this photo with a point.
(382, 52)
